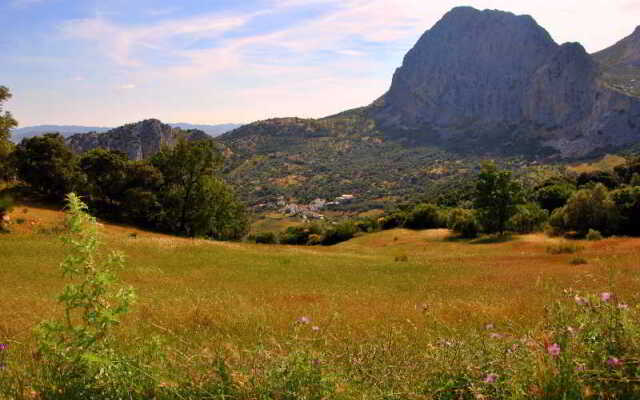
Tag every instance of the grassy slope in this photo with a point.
(206, 295)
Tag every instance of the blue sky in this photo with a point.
(109, 62)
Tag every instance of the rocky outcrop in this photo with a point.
(139, 140)
(621, 64)
(486, 80)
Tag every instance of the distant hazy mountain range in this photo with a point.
(68, 130)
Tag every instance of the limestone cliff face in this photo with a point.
(484, 76)
(139, 141)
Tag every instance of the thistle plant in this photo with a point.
(77, 349)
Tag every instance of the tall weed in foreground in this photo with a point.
(76, 353)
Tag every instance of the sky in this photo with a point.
(110, 62)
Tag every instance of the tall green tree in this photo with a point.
(195, 201)
(7, 122)
(106, 174)
(497, 196)
(47, 165)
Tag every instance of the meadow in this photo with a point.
(396, 314)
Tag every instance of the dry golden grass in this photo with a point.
(608, 163)
(211, 294)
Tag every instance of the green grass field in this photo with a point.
(376, 303)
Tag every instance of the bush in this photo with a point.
(266, 238)
(587, 209)
(577, 260)
(299, 235)
(627, 203)
(529, 218)
(554, 196)
(463, 222)
(423, 216)
(395, 220)
(594, 235)
(339, 233)
(563, 248)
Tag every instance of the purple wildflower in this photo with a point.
(614, 362)
(605, 296)
(316, 362)
(304, 320)
(553, 350)
(491, 378)
(3, 347)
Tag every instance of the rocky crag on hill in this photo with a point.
(478, 84)
(494, 80)
(139, 141)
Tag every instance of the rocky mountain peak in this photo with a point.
(486, 79)
(138, 140)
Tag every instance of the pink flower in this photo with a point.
(491, 378)
(315, 328)
(304, 320)
(614, 362)
(553, 350)
(605, 296)
(3, 347)
(623, 306)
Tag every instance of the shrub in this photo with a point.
(587, 209)
(266, 238)
(423, 216)
(339, 233)
(554, 196)
(577, 260)
(627, 203)
(395, 220)
(78, 360)
(529, 218)
(563, 248)
(299, 235)
(463, 222)
(594, 235)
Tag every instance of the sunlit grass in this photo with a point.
(399, 287)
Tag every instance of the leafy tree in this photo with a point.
(106, 173)
(423, 216)
(587, 209)
(194, 200)
(608, 179)
(627, 202)
(497, 196)
(47, 165)
(463, 222)
(529, 218)
(140, 202)
(554, 196)
(6, 147)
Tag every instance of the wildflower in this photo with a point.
(553, 350)
(495, 336)
(316, 362)
(315, 328)
(581, 301)
(571, 330)
(304, 320)
(623, 306)
(3, 347)
(491, 378)
(489, 327)
(614, 362)
(605, 296)
(2, 365)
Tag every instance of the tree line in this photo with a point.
(179, 190)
